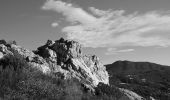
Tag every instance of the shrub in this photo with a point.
(108, 91)
(18, 80)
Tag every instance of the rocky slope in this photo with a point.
(64, 58)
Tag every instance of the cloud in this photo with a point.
(99, 12)
(112, 28)
(55, 24)
(111, 51)
(72, 14)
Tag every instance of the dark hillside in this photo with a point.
(146, 79)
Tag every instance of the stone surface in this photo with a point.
(66, 49)
(4, 51)
(68, 55)
(35, 60)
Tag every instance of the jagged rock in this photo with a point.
(35, 60)
(45, 52)
(4, 51)
(60, 49)
(66, 49)
(96, 68)
(64, 57)
(3, 48)
(87, 69)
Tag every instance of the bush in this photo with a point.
(10, 73)
(108, 91)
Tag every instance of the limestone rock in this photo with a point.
(68, 54)
(66, 49)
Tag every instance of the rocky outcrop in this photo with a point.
(68, 55)
(4, 50)
(64, 57)
(33, 59)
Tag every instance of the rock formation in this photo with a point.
(68, 55)
(64, 57)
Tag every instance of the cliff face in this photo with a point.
(68, 55)
(62, 57)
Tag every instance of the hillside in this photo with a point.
(57, 70)
(145, 78)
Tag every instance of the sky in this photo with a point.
(135, 30)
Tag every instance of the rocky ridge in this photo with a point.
(64, 58)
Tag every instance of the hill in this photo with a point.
(144, 78)
(57, 70)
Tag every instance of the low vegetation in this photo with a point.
(19, 81)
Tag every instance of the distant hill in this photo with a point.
(145, 78)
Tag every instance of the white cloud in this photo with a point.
(111, 51)
(112, 28)
(55, 24)
(99, 12)
(73, 14)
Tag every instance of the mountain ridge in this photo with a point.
(139, 62)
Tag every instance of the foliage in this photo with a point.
(19, 81)
(110, 91)
(144, 78)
